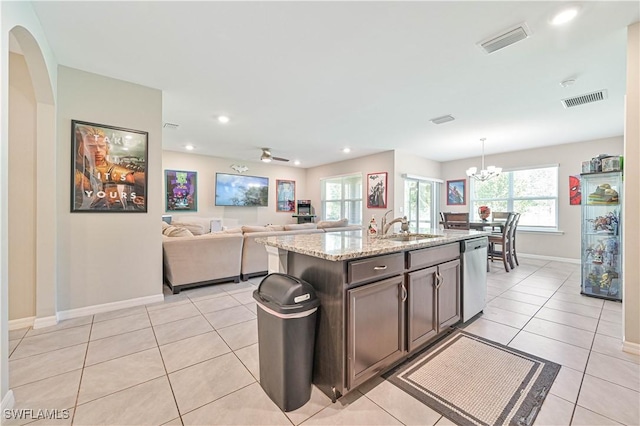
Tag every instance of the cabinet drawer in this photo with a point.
(432, 256)
(375, 267)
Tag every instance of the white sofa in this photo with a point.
(193, 257)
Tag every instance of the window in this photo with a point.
(531, 192)
(342, 197)
(420, 203)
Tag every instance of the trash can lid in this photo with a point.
(285, 293)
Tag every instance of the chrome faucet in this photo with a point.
(383, 223)
(404, 227)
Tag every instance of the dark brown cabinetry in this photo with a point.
(375, 328)
(433, 300)
(377, 310)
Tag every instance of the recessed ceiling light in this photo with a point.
(297, 162)
(189, 147)
(223, 119)
(565, 16)
(346, 150)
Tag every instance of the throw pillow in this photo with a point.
(174, 231)
(165, 225)
(194, 227)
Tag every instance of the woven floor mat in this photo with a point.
(471, 380)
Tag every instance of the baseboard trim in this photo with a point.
(630, 347)
(106, 307)
(550, 258)
(19, 323)
(45, 322)
(8, 401)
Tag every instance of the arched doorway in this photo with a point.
(31, 226)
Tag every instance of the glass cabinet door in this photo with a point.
(602, 235)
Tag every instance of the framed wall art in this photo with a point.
(456, 192)
(108, 168)
(181, 191)
(377, 190)
(285, 195)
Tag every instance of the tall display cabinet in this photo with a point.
(602, 235)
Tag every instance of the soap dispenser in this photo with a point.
(373, 226)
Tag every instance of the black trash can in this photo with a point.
(287, 310)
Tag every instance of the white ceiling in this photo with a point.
(309, 78)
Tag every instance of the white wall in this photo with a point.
(13, 14)
(22, 191)
(382, 162)
(207, 167)
(569, 157)
(100, 253)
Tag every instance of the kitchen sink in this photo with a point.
(409, 237)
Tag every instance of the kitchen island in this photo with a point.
(381, 298)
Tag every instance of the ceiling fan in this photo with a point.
(267, 157)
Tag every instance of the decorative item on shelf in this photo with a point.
(586, 166)
(373, 226)
(607, 224)
(612, 163)
(575, 192)
(603, 194)
(239, 168)
(484, 174)
(484, 212)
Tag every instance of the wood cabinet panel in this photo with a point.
(432, 256)
(422, 325)
(449, 294)
(375, 328)
(375, 268)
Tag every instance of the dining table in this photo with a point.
(482, 224)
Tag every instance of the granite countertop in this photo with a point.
(338, 246)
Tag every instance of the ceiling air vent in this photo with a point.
(443, 119)
(588, 98)
(507, 38)
(170, 126)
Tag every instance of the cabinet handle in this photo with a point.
(380, 268)
(404, 293)
(439, 280)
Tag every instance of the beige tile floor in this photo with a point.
(193, 359)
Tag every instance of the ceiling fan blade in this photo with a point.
(279, 159)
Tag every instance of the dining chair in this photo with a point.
(456, 220)
(504, 241)
(499, 216)
(514, 226)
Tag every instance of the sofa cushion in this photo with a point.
(275, 227)
(299, 226)
(225, 230)
(247, 229)
(333, 223)
(196, 228)
(175, 231)
(165, 225)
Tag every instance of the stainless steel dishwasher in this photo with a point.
(474, 276)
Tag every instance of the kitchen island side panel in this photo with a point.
(328, 280)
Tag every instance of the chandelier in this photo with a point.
(484, 174)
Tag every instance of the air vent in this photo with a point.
(600, 95)
(509, 37)
(443, 119)
(170, 126)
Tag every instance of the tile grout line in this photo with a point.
(173, 394)
(84, 361)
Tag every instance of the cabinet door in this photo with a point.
(421, 307)
(448, 291)
(375, 328)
